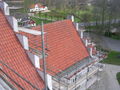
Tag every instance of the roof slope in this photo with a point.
(12, 53)
(64, 45)
(38, 4)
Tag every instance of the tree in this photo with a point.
(106, 10)
(27, 4)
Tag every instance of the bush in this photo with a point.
(118, 77)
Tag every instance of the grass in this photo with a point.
(58, 14)
(113, 35)
(55, 16)
(117, 37)
(39, 21)
(118, 77)
(113, 58)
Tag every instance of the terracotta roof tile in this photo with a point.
(38, 4)
(65, 47)
(12, 53)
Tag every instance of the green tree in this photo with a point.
(27, 4)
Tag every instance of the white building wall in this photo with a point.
(13, 22)
(77, 26)
(34, 59)
(49, 79)
(72, 18)
(4, 7)
(37, 61)
(24, 41)
(37, 9)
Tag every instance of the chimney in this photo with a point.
(34, 59)
(77, 26)
(24, 41)
(71, 17)
(86, 42)
(49, 79)
(13, 22)
(81, 34)
(82, 30)
(4, 7)
(91, 51)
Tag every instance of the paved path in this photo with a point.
(111, 43)
(108, 79)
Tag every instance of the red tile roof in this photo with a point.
(38, 4)
(12, 53)
(64, 45)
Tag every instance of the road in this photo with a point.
(108, 79)
(111, 43)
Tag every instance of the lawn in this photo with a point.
(39, 21)
(58, 14)
(113, 58)
(117, 37)
(118, 77)
(54, 16)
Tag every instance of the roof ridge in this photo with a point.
(54, 22)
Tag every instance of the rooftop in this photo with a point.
(13, 54)
(63, 45)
